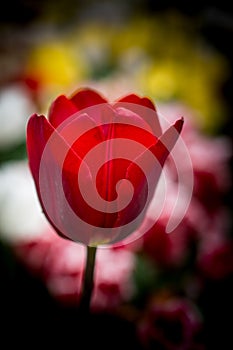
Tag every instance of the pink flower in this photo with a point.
(171, 249)
(171, 324)
(210, 157)
(59, 263)
(207, 218)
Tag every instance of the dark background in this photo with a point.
(29, 315)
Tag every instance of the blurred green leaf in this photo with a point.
(13, 153)
(145, 278)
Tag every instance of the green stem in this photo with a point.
(88, 281)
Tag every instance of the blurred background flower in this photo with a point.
(165, 291)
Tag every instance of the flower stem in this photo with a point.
(88, 281)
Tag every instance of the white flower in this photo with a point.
(21, 217)
(15, 109)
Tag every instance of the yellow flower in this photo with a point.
(55, 64)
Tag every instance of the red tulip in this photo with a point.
(96, 164)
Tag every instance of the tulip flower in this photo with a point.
(96, 164)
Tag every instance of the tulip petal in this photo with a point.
(143, 101)
(85, 98)
(39, 135)
(167, 141)
(61, 109)
(143, 108)
(39, 131)
(145, 182)
(132, 119)
(90, 134)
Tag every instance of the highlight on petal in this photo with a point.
(61, 109)
(85, 98)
